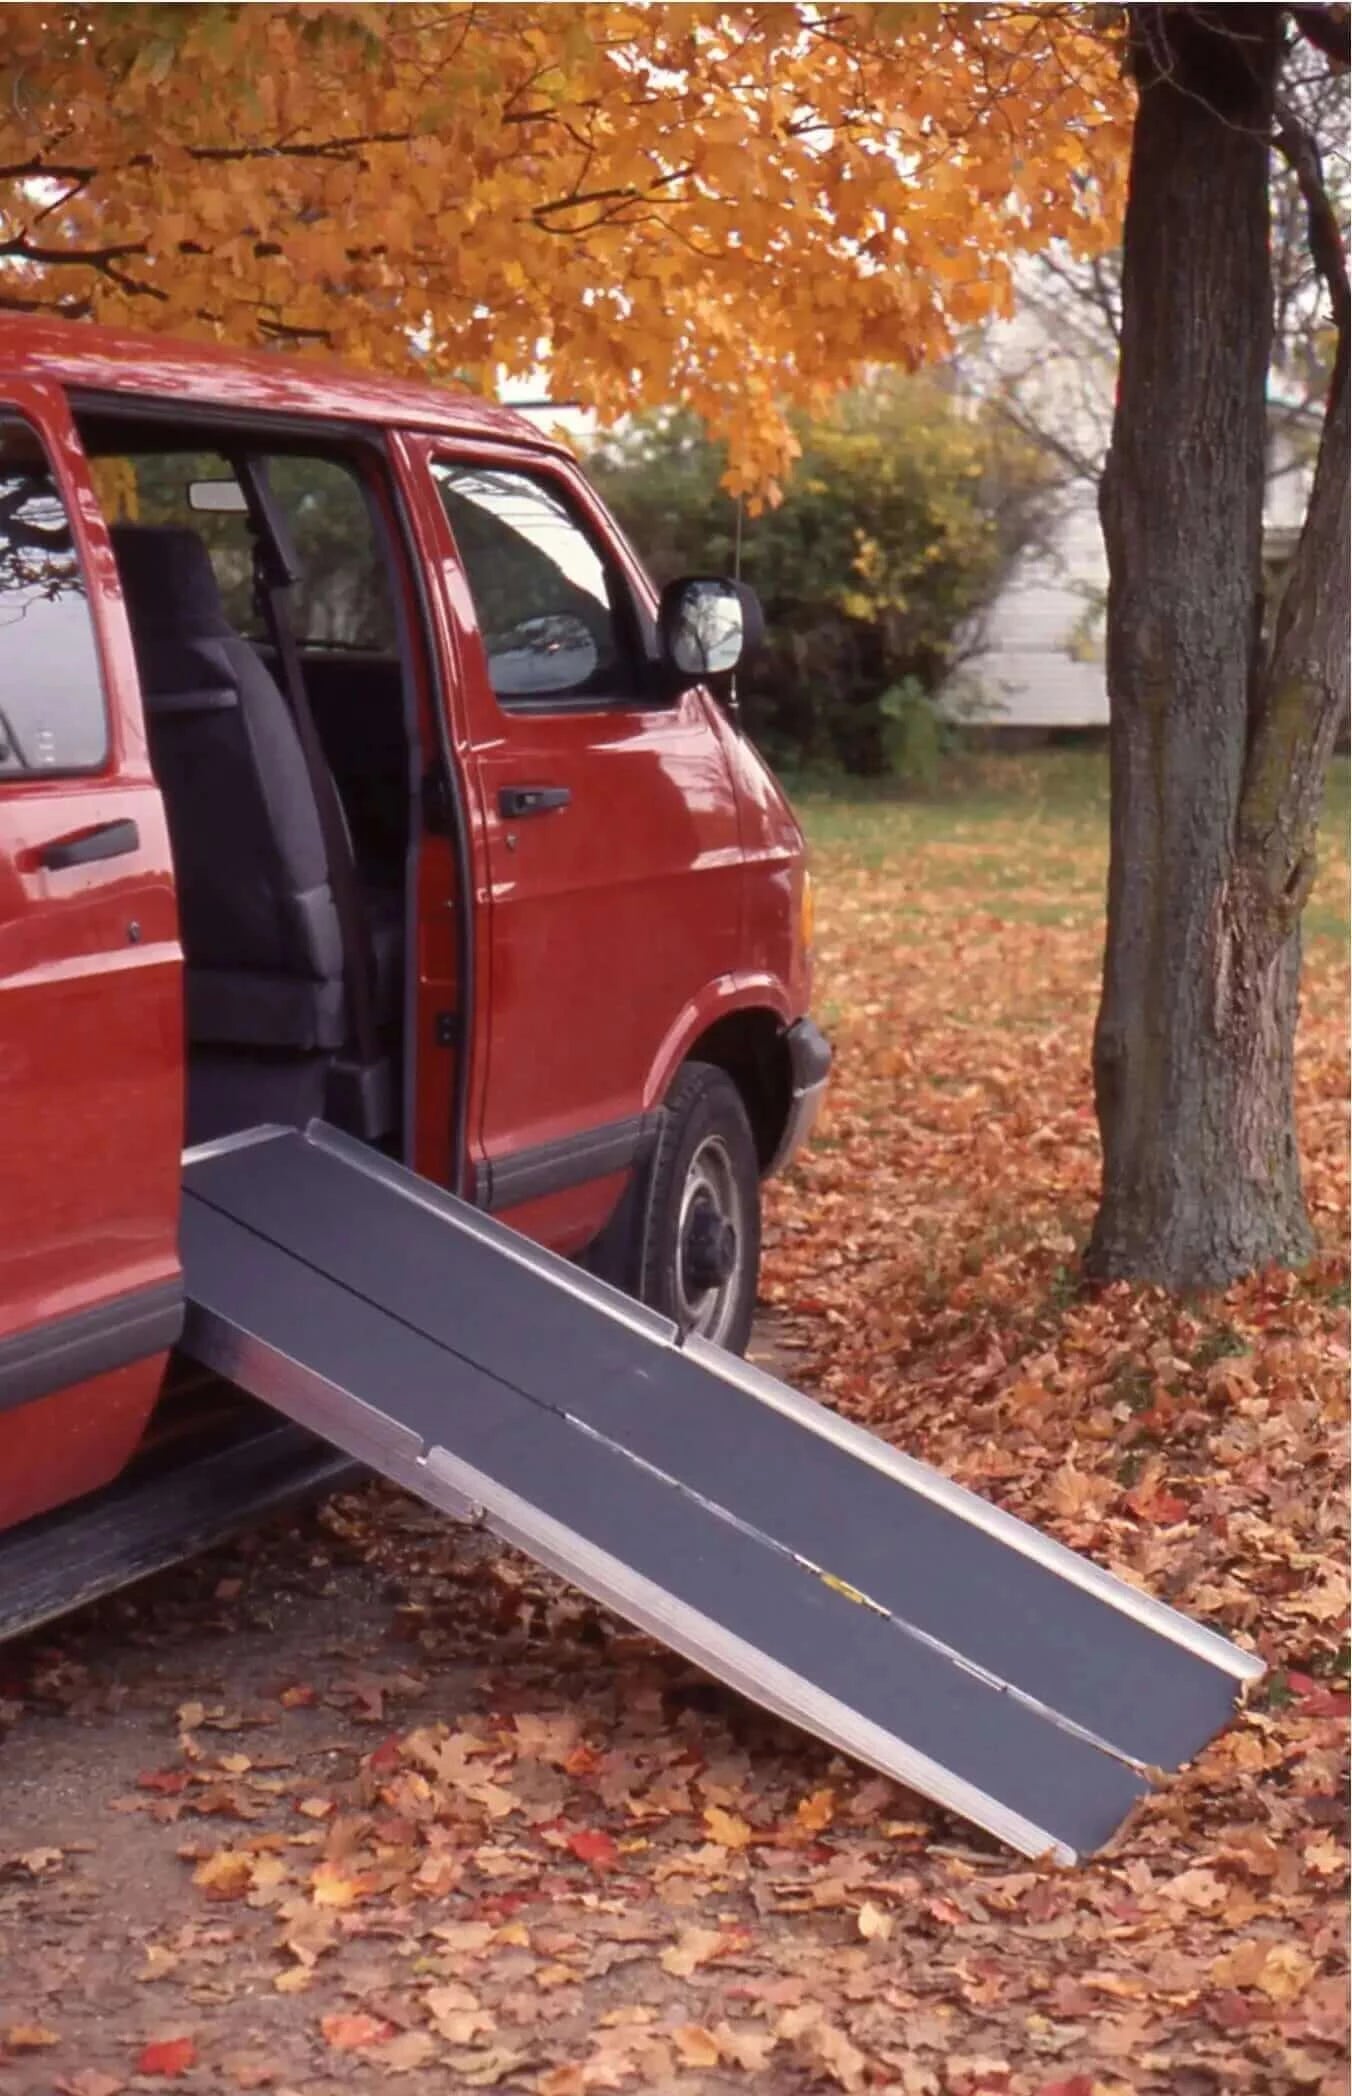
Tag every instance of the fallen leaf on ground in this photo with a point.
(37, 1862)
(331, 1886)
(167, 2056)
(225, 1875)
(1280, 1970)
(483, 2070)
(745, 2048)
(160, 1962)
(411, 2049)
(568, 2080)
(816, 1812)
(354, 2031)
(697, 2046)
(826, 2045)
(726, 1828)
(693, 1947)
(29, 2037)
(594, 1846)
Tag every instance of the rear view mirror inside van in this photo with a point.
(217, 497)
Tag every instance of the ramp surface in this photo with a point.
(815, 1568)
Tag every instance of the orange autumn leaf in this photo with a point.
(815, 1813)
(354, 2031)
(697, 2046)
(225, 1875)
(692, 1948)
(726, 1828)
(331, 1886)
(28, 2037)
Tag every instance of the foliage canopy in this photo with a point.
(738, 207)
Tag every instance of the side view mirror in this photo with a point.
(708, 626)
(217, 498)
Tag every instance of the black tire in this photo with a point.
(700, 1230)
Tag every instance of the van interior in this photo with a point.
(281, 710)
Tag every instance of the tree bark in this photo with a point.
(1218, 754)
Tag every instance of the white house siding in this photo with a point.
(1041, 665)
(1041, 662)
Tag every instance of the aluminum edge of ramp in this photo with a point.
(693, 1493)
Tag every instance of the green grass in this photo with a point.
(1064, 791)
(1027, 831)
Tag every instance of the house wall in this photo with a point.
(1040, 663)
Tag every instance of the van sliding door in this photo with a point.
(91, 1059)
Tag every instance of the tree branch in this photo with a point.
(1328, 29)
(21, 249)
(1299, 148)
(1301, 693)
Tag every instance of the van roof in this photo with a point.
(94, 358)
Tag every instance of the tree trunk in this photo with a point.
(1218, 756)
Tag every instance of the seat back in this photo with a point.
(259, 927)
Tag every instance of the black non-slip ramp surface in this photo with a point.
(815, 1568)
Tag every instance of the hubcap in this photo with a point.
(709, 1244)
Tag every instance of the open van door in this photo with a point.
(90, 1002)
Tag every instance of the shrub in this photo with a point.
(904, 516)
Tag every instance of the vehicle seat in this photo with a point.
(260, 928)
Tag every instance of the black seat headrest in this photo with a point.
(168, 582)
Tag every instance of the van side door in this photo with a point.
(91, 1058)
(609, 829)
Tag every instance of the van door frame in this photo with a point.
(376, 447)
(565, 1188)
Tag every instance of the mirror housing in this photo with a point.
(707, 626)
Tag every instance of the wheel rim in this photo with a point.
(710, 1244)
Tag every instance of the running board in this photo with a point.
(157, 1515)
(831, 1579)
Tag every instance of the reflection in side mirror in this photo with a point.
(217, 498)
(708, 626)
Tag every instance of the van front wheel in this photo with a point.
(700, 1250)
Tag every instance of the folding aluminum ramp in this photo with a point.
(833, 1580)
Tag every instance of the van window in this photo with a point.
(552, 612)
(342, 600)
(343, 597)
(52, 713)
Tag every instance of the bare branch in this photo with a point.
(1328, 29)
(1298, 145)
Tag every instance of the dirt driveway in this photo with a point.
(361, 1796)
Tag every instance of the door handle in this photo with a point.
(109, 841)
(532, 800)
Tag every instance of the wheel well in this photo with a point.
(750, 1047)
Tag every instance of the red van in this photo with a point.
(377, 849)
(351, 768)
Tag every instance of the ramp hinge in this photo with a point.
(446, 1029)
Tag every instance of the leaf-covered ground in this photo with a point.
(365, 1803)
